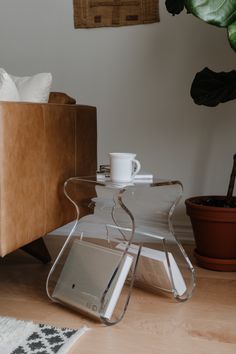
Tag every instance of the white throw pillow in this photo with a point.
(34, 88)
(8, 90)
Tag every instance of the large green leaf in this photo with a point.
(210, 88)
(232, 35)
(216, 12)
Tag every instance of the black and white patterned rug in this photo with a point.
(22, 337)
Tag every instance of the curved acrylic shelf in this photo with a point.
(133, 222)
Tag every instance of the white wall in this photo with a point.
(139, 78)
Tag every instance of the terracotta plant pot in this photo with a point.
(214, 230)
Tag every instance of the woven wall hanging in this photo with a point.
(113, 13)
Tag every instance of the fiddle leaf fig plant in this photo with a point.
(221, 13)
(232, 35)
(216, 12)
(210, 88)
(213, 218)
(175, 6)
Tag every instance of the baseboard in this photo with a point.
(184, 233)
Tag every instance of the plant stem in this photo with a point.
(231, 184)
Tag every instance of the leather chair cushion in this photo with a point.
(61, 98)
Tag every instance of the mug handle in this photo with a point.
(137, 169)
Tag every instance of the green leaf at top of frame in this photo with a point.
(220, 13)
(232, 35)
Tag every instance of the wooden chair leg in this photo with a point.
(38, 250)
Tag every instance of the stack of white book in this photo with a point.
(144, 177)
(90, 271)
(153, 269)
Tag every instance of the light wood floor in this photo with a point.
(153, 324)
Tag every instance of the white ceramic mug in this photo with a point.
(124, 166)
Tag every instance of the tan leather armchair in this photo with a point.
(41, 146)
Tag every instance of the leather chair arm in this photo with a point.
(41, 145)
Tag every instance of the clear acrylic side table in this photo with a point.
(133, 220)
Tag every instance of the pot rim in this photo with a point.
(190, 203)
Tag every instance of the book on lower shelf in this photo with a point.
(153, 269)
(88, 272)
